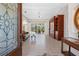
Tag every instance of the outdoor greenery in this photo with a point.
(38, 28)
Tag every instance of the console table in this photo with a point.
(71, 42)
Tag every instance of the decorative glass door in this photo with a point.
(8, 28)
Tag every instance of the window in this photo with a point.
(38, 28)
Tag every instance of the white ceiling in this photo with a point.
(42, 10)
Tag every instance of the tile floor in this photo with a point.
(42, 46)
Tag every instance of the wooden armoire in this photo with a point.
(59, 26)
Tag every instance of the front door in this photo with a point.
(10, 29)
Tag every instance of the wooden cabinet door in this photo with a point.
(60, 26)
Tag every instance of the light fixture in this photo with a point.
(38, 14)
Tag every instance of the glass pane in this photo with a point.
(38, 28)
(8, 28)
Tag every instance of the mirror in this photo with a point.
(76, 19)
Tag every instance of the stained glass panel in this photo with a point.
(8, 28)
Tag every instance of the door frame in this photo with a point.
(51, 20)
(18, 50)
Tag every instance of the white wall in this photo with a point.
(66, 21)
(52, 27)
(69, 27)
